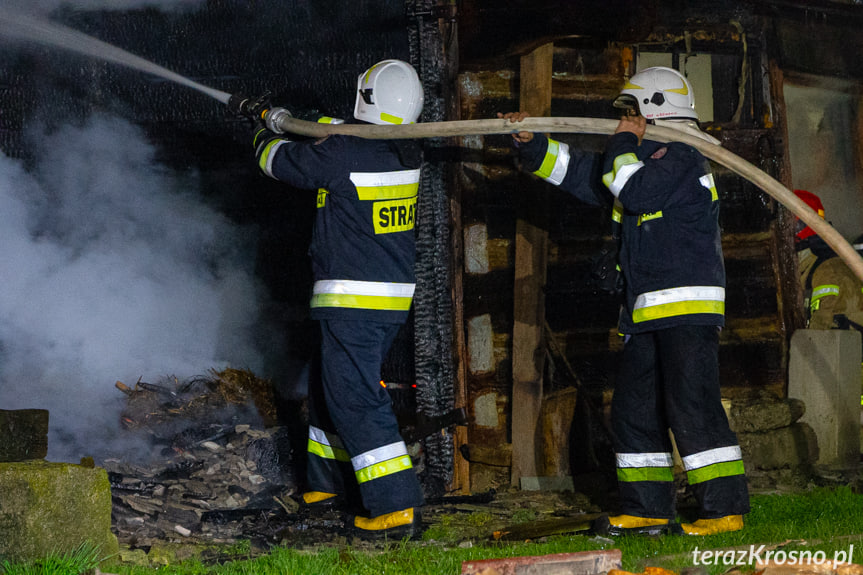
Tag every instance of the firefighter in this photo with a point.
(362, 254)
(664, 201)
(832, 294)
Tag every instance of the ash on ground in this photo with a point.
(220, 470)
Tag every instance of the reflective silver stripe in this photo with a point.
(319, 435)
(824, 290)
(661, 459)
(678, 295)
(352, 287)
(557, 155)
(622, 176)
(711, 456)
(270, 153)
(708, 182)
(378, 455)
(375, 179)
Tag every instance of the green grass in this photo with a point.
(82, 560)
(826, 520)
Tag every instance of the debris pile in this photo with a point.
(218, 472)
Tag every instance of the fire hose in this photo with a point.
(280, 120)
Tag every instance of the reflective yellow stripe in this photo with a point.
(715, 471)
(555, 163)
(265, 160)
(381, 461)
(322, 197)
(617, 211)
(363, 295)
(631, 474)
(361, 302)
(390, 119)
(644, 467)
(708, 182)
(386, 185)
(327, 451)
(326, 445)
(712, 456)
(648, 217)
(384, 468)
(679, 301)
(624, 166)
(824, 290)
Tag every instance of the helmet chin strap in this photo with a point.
(687, 127)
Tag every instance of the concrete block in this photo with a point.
(50, 507)
(781, 448)
(824, 372)
(581, 563)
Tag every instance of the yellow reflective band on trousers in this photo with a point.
(326, 445)
(679, 301)
(644, 467)
(381, 462)
(555, 163)
(713, 463)
(362, 295)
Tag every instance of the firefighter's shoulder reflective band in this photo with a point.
(362, 295)
(645, 467)
(326, 445)
(708, 182)
(624, 167)
(713, 463)
(679, 301)
(386, 185)
(555, 163)
(265, 157)
(382, 461)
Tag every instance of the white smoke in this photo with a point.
(46, 6)
(112, 269)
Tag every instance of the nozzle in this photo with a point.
(253, 108)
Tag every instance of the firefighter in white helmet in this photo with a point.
(666, 208)
(363, 263)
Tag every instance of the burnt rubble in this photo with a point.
(219, 470)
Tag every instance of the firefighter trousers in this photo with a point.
(354, 441)
(669, 380)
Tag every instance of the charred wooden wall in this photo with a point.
(582, 346)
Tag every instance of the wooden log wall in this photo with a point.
(582, 346)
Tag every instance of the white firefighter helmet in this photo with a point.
(659, 93)
(390, 92)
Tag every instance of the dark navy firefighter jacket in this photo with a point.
(362, 247)
(667, 210)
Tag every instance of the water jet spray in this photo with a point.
(22, 27)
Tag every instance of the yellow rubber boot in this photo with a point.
(631, 525)
(319, 499)
(713, 526)
(395, 525)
